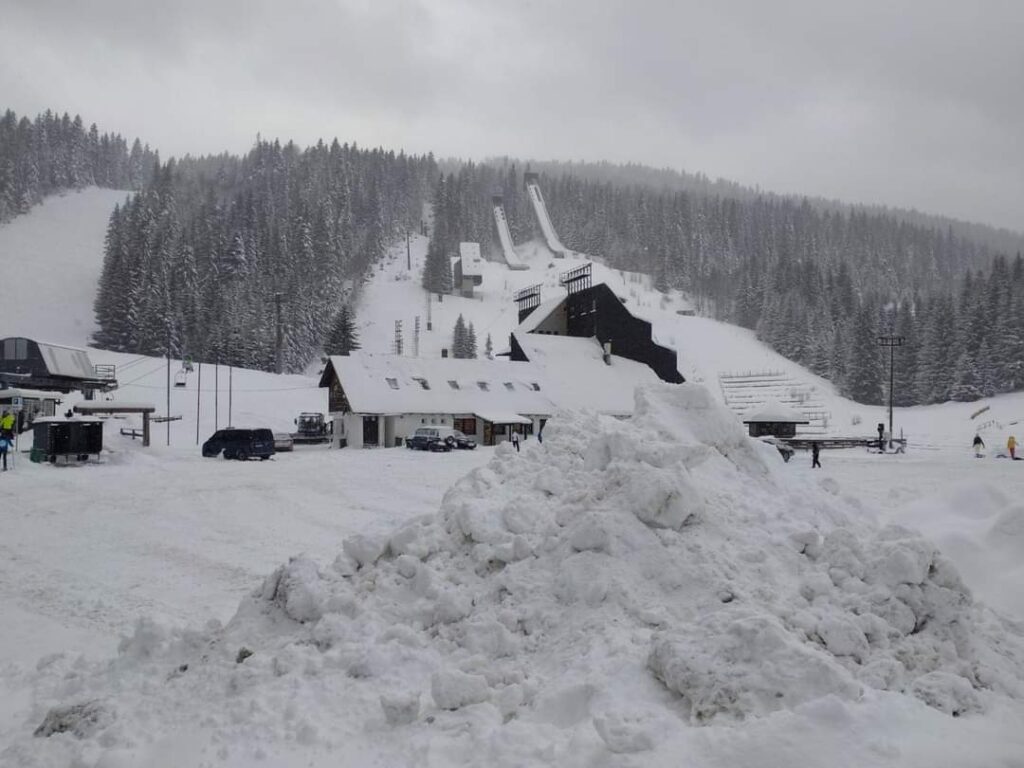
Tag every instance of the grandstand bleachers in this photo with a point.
(747, 392)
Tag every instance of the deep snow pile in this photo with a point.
(623, 582)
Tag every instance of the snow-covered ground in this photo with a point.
(564, 608)
(654, 592)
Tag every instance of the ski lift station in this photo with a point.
(38, 365)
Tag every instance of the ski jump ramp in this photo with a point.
(508, 248)
(540, 210)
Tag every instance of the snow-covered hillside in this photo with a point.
(51, 259)
(706, 348)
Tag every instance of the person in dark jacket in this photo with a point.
(815, 450)
(5, 445)
(515, 440)
(979, 445)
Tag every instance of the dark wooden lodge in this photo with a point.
(593, 311)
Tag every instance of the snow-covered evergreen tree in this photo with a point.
(460, 342)
(344, 337)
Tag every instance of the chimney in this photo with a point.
(444, 352)
(607, 353)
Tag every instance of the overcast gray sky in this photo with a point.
(915, 103)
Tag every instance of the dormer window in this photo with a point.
(422, 382)
(453, 383)
(483, 386)
(509, 387)
(393, 383)
(535, 386)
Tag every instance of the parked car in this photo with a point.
(240, 444)
(439, 439)
(427, 439)
(784, 448)
(283, 442)
(462, 441)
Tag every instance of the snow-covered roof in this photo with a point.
(66, 361)
(37, 394)
(113, 406)
(497, 417)
(64, 419)
(774, 411)
(563, 373)
(577, 376)
(392, 384)
(541, 313)
(470, 254)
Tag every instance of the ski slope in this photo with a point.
(51, 259)
(508, 248)
(540, 209)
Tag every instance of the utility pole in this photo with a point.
(216, 394)
(231, 391)
(168, 412)
(398, 337)
(891, 342)
(199, 390)
(408, 253)
(231, 370)
(416, 338)
(279, 340)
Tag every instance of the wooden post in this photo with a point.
(145, 430)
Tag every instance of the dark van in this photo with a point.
(240, 444)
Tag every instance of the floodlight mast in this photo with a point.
(891, 342)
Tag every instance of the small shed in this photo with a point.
(774, 419)
(76, 438)
(468, 269)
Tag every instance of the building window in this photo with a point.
(509, 387)
(483, 385)
(535, 386)
(423, 382)
(453, 383)
(393, 383)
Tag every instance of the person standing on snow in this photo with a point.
(979, 446)
(5, 445)
(7, 425)
(1011, 446)
(815, 450)
(515, 440)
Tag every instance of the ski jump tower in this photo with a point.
(508, 249)
(540, 210)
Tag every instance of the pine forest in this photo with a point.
(215, 255)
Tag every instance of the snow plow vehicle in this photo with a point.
(311, 428)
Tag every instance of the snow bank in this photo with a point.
(608, 592)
